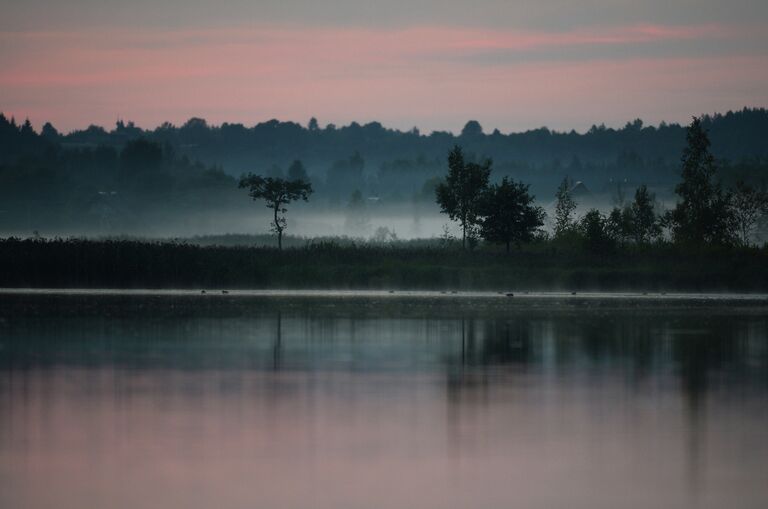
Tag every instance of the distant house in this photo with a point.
(580, 194)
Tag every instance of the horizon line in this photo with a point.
(210, 125)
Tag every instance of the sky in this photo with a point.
(433, 64)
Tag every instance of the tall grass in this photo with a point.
(130, 263)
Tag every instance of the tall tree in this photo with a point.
(564, 208)
(702, 216)
(277, 193)
(645, 224)
(509, 214)
(620, 223)
(596, 232)
(748, 206)
(459, 195)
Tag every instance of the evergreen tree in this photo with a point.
(702, 216)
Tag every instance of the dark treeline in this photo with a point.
(132, 176)
(103, 188)
(239, 148)
(705, 213)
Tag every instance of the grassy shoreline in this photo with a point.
(545, 266)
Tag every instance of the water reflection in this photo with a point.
(168, 403)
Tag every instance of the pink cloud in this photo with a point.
(424, 75)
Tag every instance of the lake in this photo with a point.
(356, 400)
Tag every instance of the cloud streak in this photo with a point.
(433, 76)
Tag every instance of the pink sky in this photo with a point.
(433, 77)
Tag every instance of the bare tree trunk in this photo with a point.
(279, 231)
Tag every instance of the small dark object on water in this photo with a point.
(391, 291)
(573, 293)
(224, 292)
(510, 294)
(202, 291)
(454, 291)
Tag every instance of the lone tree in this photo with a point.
(277, 193)
(703, 215)
(564, 209)
(508, 214)
(459, 195)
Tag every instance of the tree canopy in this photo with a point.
(459, 195)
(509, 214)
(564, 208)
(277, 193)
(702, 216)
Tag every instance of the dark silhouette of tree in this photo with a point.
(508, 214)
(141, 155)
(748, 206)
(313, 125)
(345, 175)
(26, 129)
(594, 228)
(564, 208)
(620, 223)
(637, 221)
(702, 216)
(644, 221)
(472, 129)
(297, 171)
(460, 194)
(49, 132)
(277, 193)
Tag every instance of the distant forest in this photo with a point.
(125, 175)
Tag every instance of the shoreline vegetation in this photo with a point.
(706, 243)
(428, 264)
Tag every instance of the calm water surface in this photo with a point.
(141, 401)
